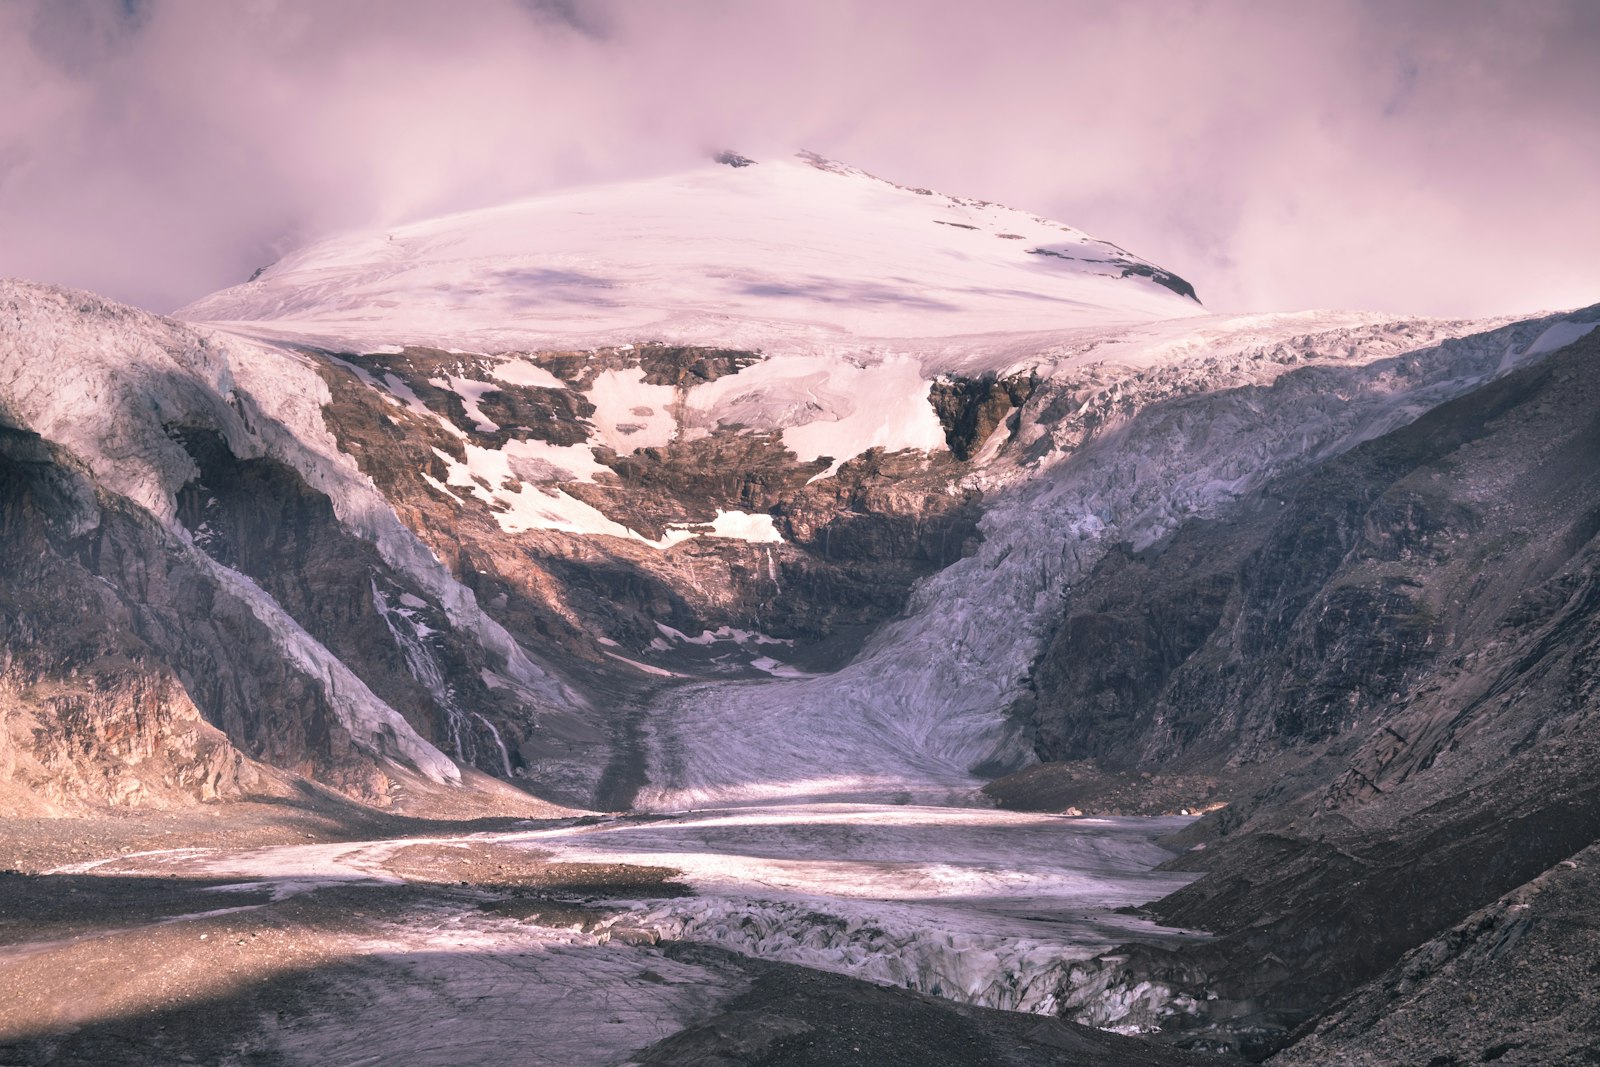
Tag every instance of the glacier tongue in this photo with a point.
(1184, 417)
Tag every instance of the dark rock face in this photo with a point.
(1318, 601)
(970, 409)
(1402, 647)
(258, 517)
(852, 545)
(1513, 983)
(688, 366)
(126, 680)
(1129, 266)
(796, 1017)
(519, 412)
(1164, 278)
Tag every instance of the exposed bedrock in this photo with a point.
(127, 679)
(259, 518)
(1401, 648)
(847, 551)
(971, 409)
(1514, 982)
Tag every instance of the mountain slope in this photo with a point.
(1400, 644)
(171, 474)
(778, 483)
(850, 541)
(1103, 454)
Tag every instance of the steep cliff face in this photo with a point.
(1404, 643)
(1311, 607)
(1513, 983)
(259, 518)
(91, 713)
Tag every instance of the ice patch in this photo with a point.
(631, 414)
(1559, 335)
(492, 476)
(471, 393)
(723, 633)
(645, 667)
(735, 525)
(777, 669)
(834, 406)
(522, 372)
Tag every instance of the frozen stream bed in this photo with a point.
(977, 905)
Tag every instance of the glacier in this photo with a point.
(1188, 417)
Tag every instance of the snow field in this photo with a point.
(784, 249)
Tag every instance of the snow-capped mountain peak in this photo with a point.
(795, 253)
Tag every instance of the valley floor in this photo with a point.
(289, 936)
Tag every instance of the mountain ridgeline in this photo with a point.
(919, 498)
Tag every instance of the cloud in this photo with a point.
(1433, 156)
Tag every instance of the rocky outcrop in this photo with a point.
(258, 517)
(1129, 267)
(509, 411)
(1309, 608)
(91, 713)
(1514, 983)
(849, 547)
(970, 409)
(129, 649)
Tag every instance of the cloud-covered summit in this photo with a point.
(1426, 156)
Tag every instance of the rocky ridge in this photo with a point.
(1398, 648)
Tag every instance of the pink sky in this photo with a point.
(1434, 157)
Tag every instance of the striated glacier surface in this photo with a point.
(1135, 432)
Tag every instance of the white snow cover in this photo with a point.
(831, 405)
(631, 414)
(520, 506)
(836, 406)
(1560, 335)
(521, 372)
(786, 254)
